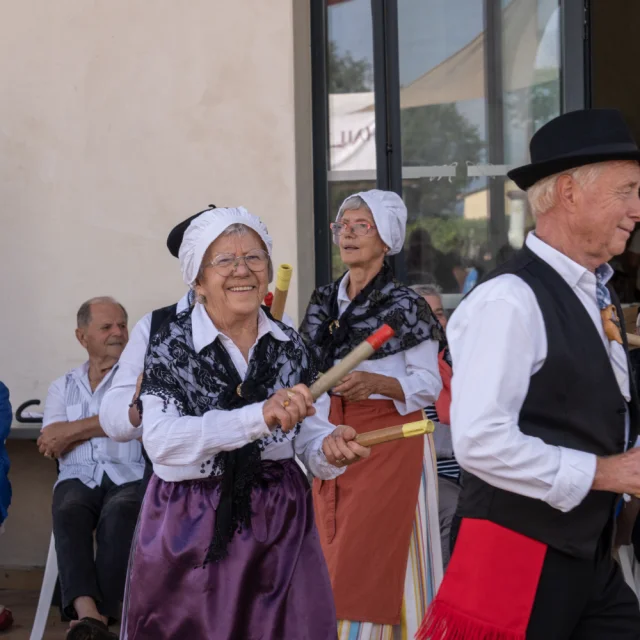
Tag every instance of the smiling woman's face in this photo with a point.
(240, 292)
(357, 250)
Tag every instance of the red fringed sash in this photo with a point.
(489, 587)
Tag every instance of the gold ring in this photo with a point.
(286, 403)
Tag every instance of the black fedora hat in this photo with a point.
(576, 139)
(174, 239)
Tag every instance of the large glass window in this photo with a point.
(477, 78)
(352, 121)
(474, 80)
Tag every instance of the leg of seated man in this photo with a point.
(113, 536)
(76, 509)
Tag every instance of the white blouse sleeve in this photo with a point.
(174, 440)
(114, 408)
(308, 443)
(55, 407)
(421, 383)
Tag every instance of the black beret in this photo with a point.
(174, 239)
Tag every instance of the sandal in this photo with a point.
(90, 629)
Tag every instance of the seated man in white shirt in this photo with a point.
(98, 481)
(544, 413)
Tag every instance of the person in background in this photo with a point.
(448, 467)
(634, 356)
(6, 417)
(425, 262)
(379, 522)
(98, 480)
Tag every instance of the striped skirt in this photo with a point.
(424, 567)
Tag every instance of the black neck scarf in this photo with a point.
(241, 466)
(382, 301)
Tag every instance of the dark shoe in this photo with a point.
(90, 629)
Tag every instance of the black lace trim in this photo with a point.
(382, 301)
(196, 383)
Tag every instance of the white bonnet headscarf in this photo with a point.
(389, 213)
(206, 228)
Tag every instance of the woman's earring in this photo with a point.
(201, 299)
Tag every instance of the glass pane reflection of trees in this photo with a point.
(457, 141)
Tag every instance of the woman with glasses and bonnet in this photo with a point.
(379, 523)
(226, 545)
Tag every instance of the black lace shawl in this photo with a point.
(198, 382)
(382, 301)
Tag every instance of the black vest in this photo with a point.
(573, 401)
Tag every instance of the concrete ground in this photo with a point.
(23, 605)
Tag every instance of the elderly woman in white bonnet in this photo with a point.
(386, 509)
(226, 545)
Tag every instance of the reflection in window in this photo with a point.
(460, 227)
(352, 144)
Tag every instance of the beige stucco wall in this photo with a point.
(119, 118)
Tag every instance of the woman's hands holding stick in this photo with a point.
(340, 448)
(287, 407)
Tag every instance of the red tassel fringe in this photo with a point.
(443, 622)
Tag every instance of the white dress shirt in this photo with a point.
(114, 410)
(498, 340)
(178, 445)
(69, 399)
(416, 369)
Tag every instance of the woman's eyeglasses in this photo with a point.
(357, 228)
(226, 263)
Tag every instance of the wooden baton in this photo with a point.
(283, 279)
(363, 351)
(380, 436)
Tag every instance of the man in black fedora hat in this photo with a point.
(544, 413)
(119, 415)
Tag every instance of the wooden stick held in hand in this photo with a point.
(363, 351)
(388, 434)
(283, 279)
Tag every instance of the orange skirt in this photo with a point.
(365, 516)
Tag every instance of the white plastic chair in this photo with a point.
(46, 593)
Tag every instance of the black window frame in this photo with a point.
(575, 94)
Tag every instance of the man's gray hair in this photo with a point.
(84, 312)
(542, 195)
(427, 290)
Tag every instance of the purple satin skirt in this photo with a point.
(274, 584)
